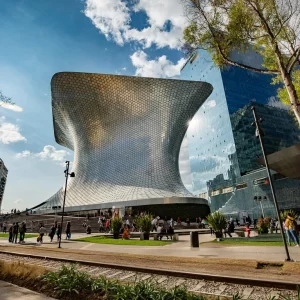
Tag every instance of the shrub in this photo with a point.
(20, 270)
(144, 223)
(116, 224)
(263, 225)
(68, 280)
(217, 221)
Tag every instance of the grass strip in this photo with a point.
(132, 242)
(27, 235)
(248, 242)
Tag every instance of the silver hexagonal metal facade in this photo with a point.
(126, 134)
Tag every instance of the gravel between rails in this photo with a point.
(163, 281)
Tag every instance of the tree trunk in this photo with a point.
(288, 83)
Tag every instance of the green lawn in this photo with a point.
(27, 235)
(134, 242)
(249, 242)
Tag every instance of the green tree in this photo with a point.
(271, 27)
(217, 221)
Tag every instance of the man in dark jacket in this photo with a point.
(15, 232)
(22, 232)
(10, 233)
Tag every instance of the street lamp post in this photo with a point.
(63, 211)
(259, 134)
(259, 199)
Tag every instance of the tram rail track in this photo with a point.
(203, 283)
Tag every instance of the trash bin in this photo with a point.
(194, 239)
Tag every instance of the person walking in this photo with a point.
(58, 232)
(248, 230)
(10, 233)
(52, 232)
(288, 236)
(107, 225)
(231, 226)
(15, 232)
(68, 230)
(290, 223)
(172, 223)
(22, 233)
(227, 230)
(4, 227)
(154, 224)
(43, 231)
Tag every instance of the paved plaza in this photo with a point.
(179, 249)
(12, 292)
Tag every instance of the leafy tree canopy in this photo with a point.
(271, 27)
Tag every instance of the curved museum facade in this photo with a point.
(126, 134)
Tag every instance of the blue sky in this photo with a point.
(41, 38)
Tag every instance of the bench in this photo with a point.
(173, 236)
(240, 233)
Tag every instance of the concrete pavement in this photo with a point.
(181, 248)
(10, 291)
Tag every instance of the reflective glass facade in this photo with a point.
(222, 145)
(3, 177)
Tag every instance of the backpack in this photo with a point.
(294, 225)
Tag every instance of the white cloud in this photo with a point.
(23, 154)
(160, 67)
(13, 107)
(113, 19)
(48, 153)
(124, 69)
(210, 104)
(273, 101)
(10, 133)
(19, 200)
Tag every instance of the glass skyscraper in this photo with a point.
(223, 148)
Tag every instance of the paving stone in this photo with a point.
(161, 280)
(247, 292)
(179, 282)
(275, 294)
(114, 274)
(221, 289)
(146, 277)
(197, 287)
(104, 272)
(94, 270)
(127, 276)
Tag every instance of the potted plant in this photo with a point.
(263, 225)
(116, 224)
(217, 222)
(144, 223)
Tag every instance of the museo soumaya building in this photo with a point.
(223, 148)
(126, 134)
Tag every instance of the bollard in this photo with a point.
(194, 239)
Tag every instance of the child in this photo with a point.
(248, 230)
(125, 235)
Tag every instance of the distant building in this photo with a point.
(3, 178)
(222, 145)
